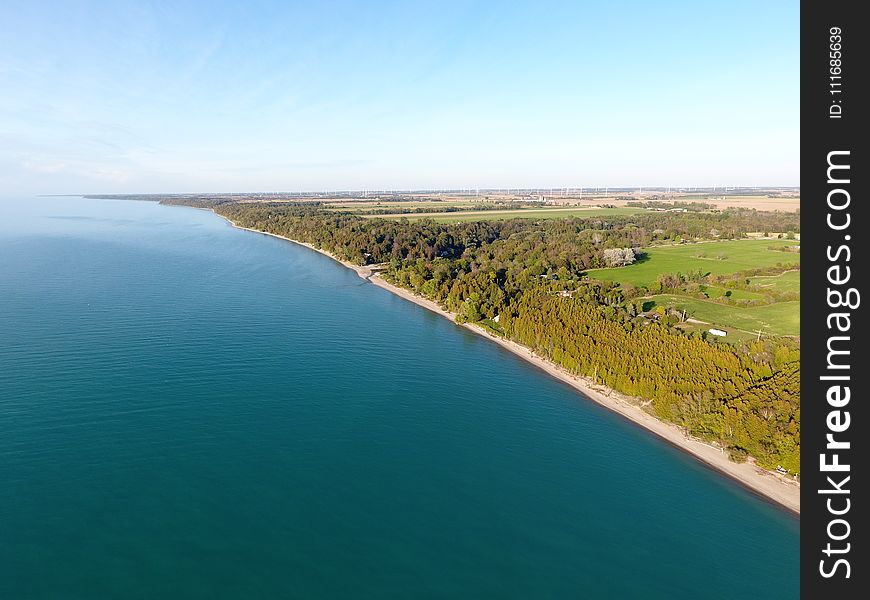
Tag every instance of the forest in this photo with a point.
(525, 279)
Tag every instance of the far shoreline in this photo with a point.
(772, 487)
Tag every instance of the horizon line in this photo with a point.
(456, 190)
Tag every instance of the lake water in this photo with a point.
(191, 410)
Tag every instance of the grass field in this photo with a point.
(718, 258)
(787, 282)
(787, 203)
(734, 335)
(364, 206)
(719, 292)
(782, 318)
(522, 213)
(466, 213)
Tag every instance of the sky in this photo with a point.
(151, 97)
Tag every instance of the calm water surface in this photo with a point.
(189, 410)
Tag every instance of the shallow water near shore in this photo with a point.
(192, 410)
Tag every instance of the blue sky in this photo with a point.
(266, 96)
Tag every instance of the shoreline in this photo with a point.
(777, 489)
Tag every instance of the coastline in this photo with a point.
(771, 486)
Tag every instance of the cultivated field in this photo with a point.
(380, 205)
(717, 292)
(787, 282)
(469, 211)
(521, 213)
(782, 318)
(787, 202)
(718, 258)
(539, 204)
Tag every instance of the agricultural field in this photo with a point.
(717, 258)
(521, 213)
(782, 318)
(385, 205)
(787, 203)
(716, 292)
(735, 336)
(720, 258)
(787, 282)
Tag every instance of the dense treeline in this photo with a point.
(529, 276)
(746, 398)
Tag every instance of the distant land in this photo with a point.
(759, 198)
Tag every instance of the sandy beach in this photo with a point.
(781, 490)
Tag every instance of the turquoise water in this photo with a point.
(189, 410)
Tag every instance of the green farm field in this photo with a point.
(365, 206)
(522, 213)
(782, 318)
(787, 282)
(735, 336)
(716, 292)
(717, 258)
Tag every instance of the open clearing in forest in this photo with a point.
(782, 318)
(720, 258)
(787, 282)
(717, 258)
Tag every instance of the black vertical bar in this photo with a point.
(835, 231)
